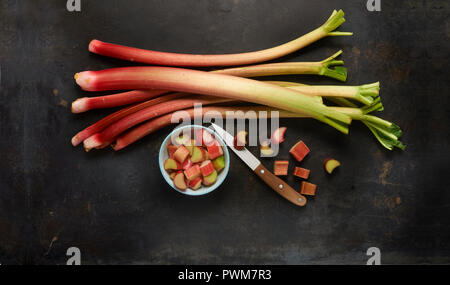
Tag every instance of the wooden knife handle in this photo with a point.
(280, 186)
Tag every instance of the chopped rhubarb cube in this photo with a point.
(278, 135)
(219, 163)
(171, 149)
(172, 164)
(308, 188)
(281, 167)
(210, 179)
(198, 154)
(187, 163)
(179, 182)
(299, 151)
(208, 138)
(181, 154)
(207, 167)
(214, 150)
(195, 183)
(301, 172)
(192, 172)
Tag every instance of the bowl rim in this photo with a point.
(190, 192)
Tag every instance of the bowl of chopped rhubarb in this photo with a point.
(193, 160)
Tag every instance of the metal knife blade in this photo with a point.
(244, 154)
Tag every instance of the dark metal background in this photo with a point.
(116, 207)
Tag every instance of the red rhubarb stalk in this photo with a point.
(201, 82)
(177, 59)
(108, 135)
(103, 123)
(108, 101)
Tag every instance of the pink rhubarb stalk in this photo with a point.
(108, 101)
(177, 59)
(201, 82)
(108, 135)
(114, 117)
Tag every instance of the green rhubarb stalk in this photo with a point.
(387, 133)
(364, 93)
(288, 68)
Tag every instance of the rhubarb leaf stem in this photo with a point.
(289, 68)
(196, 60)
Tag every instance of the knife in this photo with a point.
(268, 177)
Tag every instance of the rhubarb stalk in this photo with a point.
(387, 133)
(114, 117)
(126, 98)
(286, 68)
(365, 94)
(177, 59)
(155, 124)
(108, 101)
(107, 136)
(200, 82)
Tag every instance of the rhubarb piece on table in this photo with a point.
(171, 149)
(308, 188)
(265, 149)
(219, 163)
(214, 150)
(281, 167)
(172, 164)
(299, 151)
(198, 154)
(179, 181)
(181, 154)
(301, 172)
(210, 179)
(330, 164)
(278, 135)
(207, 168)
(192, 172)
(240, 140)
(195, 183)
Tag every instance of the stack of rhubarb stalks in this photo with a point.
(156, 92)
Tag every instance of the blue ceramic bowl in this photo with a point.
(164, 155)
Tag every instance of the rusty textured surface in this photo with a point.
(116, 207)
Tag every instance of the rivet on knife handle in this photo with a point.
(280, 186)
